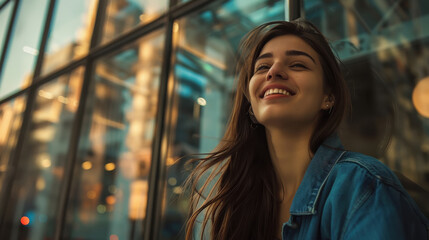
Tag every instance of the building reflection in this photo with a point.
(384, 49)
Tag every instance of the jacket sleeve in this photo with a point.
(388, 212)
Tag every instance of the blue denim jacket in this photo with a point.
(347, 195)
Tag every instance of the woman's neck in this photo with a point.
(290, 155)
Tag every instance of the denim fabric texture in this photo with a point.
(348, 195)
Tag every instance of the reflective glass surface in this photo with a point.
(10, 125)
(124, 15)
(33, 204)
(384, 46)
(5, 14)
(70, 33)
(205, 45)
(109, 194)
(24, 44)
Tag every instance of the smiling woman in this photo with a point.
(280, 171)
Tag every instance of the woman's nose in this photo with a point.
(276, 71)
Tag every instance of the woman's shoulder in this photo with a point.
(369, 167)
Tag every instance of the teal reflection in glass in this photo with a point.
(23, 47)
(70, 33)
(384, 47)
(32, 208)
(109, 197)
(124, 15)
(205, 45)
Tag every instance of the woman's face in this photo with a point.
(286, 89)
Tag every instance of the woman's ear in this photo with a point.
(328, 102)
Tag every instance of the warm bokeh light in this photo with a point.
(421, 97)
(138, 199)
(110, 199)
(25, 220)
(176, 27)
(109, 166)
(45, 161)
(91, 194)
(113, 237)
(86, 165)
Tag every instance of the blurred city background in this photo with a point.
(103, 101)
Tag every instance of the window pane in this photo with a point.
(33, 205)
(5, 14)
(24, 44)
(124, 15)
(70, 34)
(109, 197)
(10, 125)
(385, 50)
(205, 47)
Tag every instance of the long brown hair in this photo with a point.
(235, 187)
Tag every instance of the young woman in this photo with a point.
(280, 171)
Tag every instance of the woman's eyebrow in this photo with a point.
(299, 53)
(288, 53)
(265, 55)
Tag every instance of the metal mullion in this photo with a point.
(8, 35)
(15, 95)
(151, 224)
(127, 38)
(98, 25)
(38, 82)
(172, 3)
(4, 4)
(187, 8)
(44, 41)
(71, 164)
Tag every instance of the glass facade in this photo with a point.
(127, 90)
(34, 199)
(70, 33)
(23, 49)
(110, 191)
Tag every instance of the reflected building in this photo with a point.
(94, 137)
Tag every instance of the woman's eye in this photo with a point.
(298, 65)
(261, 67)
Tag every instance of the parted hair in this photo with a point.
(244, 201)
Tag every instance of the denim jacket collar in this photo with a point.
(315, 176)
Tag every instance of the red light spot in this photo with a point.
(114, 237)
(25, 220)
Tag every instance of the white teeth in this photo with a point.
(277, 90)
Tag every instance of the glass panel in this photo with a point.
(124, 15)
(10, 125)
(205, 47)
(22, 52)
(384, 46)
(70, 34)
(5, 14)
(33, 205)
(109, 197)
